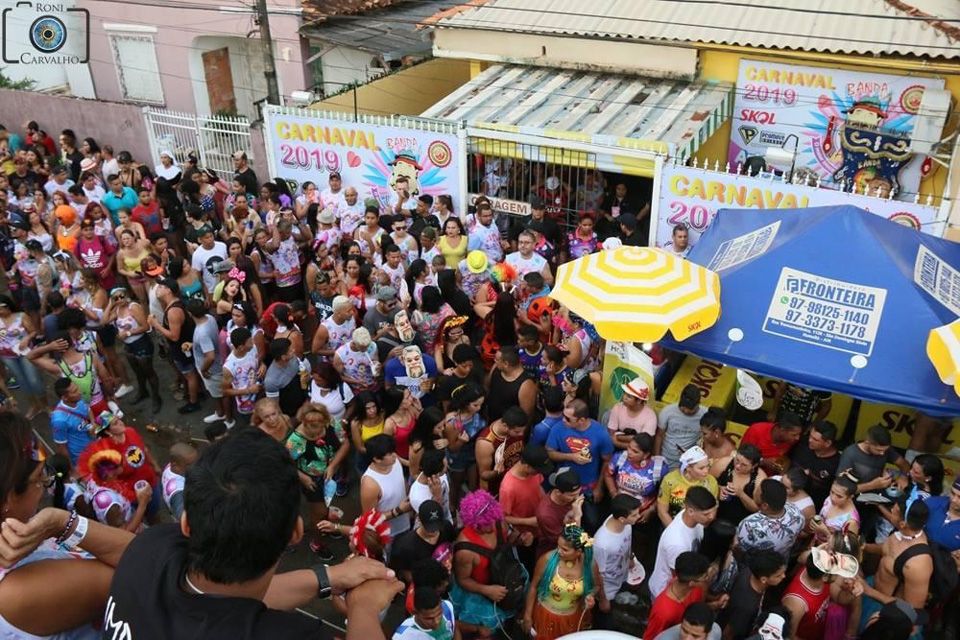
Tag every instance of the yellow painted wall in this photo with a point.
(724, 65)
(408, 92)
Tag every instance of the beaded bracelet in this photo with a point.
(66, 529)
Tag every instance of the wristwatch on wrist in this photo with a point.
(324, 590)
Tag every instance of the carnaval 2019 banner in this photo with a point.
(693, 196)
(368, 157)
(821, 106)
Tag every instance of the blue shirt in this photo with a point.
(113, 203)
(395, 372)
(71, 426)
(946, 534)
(541, 430)
(594, 438)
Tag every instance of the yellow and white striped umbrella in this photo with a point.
(635, 294)
(943, 349)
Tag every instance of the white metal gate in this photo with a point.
(212, 138)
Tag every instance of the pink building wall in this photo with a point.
(119, 125)
(180, 38)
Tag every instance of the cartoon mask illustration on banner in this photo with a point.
(406, 170)
(872, 159)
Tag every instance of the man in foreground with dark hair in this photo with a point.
(213, 575)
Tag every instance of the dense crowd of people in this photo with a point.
(408, 358)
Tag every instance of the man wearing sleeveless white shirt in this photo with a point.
(336, 330)
(182, 455)
(383, 487)
(526, 260)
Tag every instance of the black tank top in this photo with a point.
(503, 395)
(186, 331)
(732, 509)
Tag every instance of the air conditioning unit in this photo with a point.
(931, 117)
(302, 98)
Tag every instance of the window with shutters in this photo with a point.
(136, 60)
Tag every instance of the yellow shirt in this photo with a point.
(673, 489)
(451, 255)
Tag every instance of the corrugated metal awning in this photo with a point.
(391, 32)
(869, 27)
(669, 116)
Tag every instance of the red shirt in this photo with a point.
(667, 612)
(149, 217)
(134, 452)
(814, 622)
(519, 497)
(759, 435)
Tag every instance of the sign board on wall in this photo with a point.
(503, 205)
(774, 101)
(693, 196)
(369, 157)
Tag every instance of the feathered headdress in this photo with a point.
(374, 521)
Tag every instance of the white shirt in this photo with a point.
(393, 489)
(410, 204)
(351, 217)
(204, 260)
(52, 187)
(420, 493)
(335, 400)
(535, 263)
(613, 552)
(94, 195)
(676, 539)
(331, 200)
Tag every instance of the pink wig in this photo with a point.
(480, 510)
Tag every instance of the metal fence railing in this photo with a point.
(567, 180)
(213, 138)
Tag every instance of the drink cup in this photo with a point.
(334, 515)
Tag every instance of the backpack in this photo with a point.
(945, 576)
(505, 570)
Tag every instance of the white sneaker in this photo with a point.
(123, 390)
(213, 417)
(229, 423)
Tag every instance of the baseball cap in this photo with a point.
(565, 480)
(156, 271)
(223, 266)
(60, 169)
(19, 223)
(628, 220)
(205, 229)
(838, 564)
(477, 261)
(170, 283)
(34, 245)
(386, 294)
(536, 202)
(334, 174)
(430, 514)
(537, 457)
